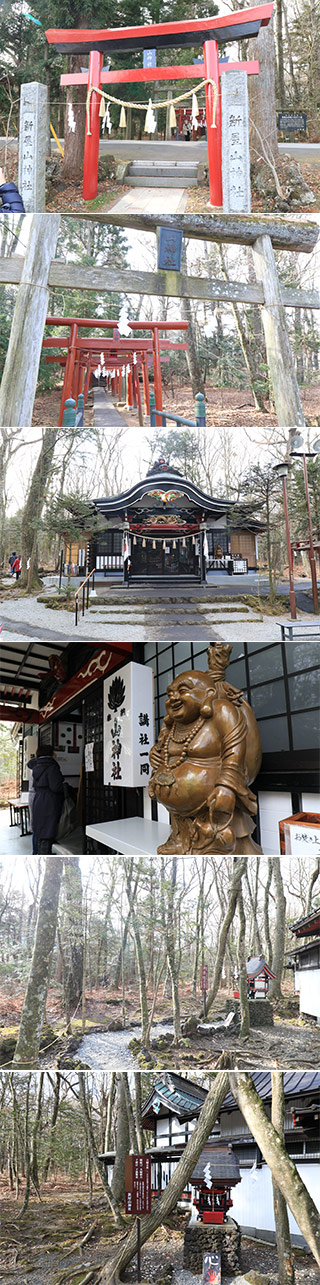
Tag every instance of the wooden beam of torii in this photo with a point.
(210, 32)
(39, 269)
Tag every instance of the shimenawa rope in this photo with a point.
(169, 102)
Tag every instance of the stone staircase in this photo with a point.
(167, 174)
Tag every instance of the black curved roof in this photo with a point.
(164, 479)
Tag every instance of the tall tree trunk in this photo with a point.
(313, 879)
(253, 365)
(193, 362)
(131, 1120)
(139, 953)
(239, 867)
(24, 1207)
(243, 984)
(35, 1132)
(112, 1087)
(73, 929)
(93, 1151)
(33, 509)
(28, 1042)
(267, 937)
(122, 1142)
(55, 1084)
(19, 379)
(74, 124)
(182, 1174)
(282, 1167)
(279, 931)
(139, 1124)
(284, 1251)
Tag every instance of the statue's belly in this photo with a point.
(194, 782)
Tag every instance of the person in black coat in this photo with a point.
(48, 798)
(10, 197)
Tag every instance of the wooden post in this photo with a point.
(145, 380)
(91, 147)
(157, 374)
(19, 380)
(293, 605)
(68, 374)
(279, 354)
(211, 70)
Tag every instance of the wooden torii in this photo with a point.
(210, 32)
(82, 354)
(39, 270)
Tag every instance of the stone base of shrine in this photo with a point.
(260, 1011)
(208, 1238)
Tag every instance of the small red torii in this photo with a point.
(210, 32)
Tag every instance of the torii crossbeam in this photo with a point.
(210, 32)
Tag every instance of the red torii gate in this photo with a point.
(211, 32)
(82, 353)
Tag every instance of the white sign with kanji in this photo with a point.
(128, 725)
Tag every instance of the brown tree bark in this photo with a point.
(243, 986)
(279, 931)
(28, 1042)
(93, 1152)
(122, 1141)
(284, 1250)
(239, 867)
(74, 124)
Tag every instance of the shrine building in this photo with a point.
(170, 1112)
(166, 528)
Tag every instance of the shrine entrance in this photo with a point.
(210, 32)
(165, 557)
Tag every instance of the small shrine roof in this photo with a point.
(217, 1162)
(184, 1099)
(256, 965)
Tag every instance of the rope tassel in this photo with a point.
(102, 108)
(172, 119)
(123, 118)
(150, 123)
(195, 111)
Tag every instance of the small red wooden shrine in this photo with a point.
(210, 32)
(215, 1173)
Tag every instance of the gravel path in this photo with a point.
(28, 618)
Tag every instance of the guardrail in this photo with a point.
(200, 414)
(84, 589)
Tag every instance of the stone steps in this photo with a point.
(168, 174)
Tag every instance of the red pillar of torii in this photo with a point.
(210, 32)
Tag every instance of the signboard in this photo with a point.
(138, 1185)
(204, 977)
(128, 729)
(300, 834)
(292, 120)
(69, 747)
(211, 1269)
(149, 57)
(240, 566)
(88, 756)
(170, 250)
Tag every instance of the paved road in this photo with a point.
(145, 150)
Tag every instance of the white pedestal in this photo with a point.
(134, 836)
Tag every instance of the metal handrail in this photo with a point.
(166, 415)
(85, 595)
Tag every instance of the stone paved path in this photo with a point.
(105, 413)
(152, 199)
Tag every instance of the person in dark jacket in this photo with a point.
(48, 798)
(11, 200)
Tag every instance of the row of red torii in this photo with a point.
(210, 32)
(81, 355)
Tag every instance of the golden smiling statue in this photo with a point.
(207, 756)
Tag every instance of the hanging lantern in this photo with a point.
(123, 118)
(172, 118)
(144, 543)
(150, 123)
(154, 544)
(102, 108)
